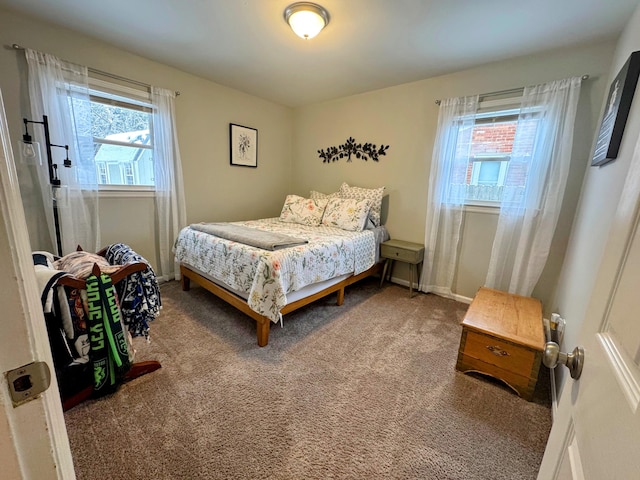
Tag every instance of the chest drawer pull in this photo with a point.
(497, 351)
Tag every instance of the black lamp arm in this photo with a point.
(53, 176)
(53, 169)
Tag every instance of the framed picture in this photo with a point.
(616, 112)
(244, 145)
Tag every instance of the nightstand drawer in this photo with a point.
(402, 253)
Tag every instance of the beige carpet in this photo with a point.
(365, 390)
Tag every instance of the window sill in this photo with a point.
(122, 191)
(490, 208)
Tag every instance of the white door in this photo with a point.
(33, 436)
(596, 432)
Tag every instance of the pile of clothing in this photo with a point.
(88, 327)
(138, 293)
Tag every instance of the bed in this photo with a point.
(267, 284)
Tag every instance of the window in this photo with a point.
(129, 179)
(102, 174)
(486, 160)
(122, 139)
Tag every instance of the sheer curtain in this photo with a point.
(170, 203)
(59, 90)
(447, 192)
(528, 217)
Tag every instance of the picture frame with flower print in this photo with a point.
(243, 143)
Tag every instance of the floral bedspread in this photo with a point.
(267, 276)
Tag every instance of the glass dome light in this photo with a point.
(306, 19)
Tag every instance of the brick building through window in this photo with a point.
(487, 160)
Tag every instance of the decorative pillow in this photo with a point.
(304, 211)
(347, 214)
(374, 195)
(320, 196)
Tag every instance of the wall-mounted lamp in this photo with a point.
(30, 150)
(306, 19)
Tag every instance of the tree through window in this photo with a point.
(122, 139)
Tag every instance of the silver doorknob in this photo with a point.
(574, 361)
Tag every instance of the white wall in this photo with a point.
(215, 190)
(405, 117)
(598, 203)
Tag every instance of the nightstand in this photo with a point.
(407, 252)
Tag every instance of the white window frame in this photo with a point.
(132, 96)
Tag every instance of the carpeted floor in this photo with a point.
(365, 390)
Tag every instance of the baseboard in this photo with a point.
(461, 298)
(454, 296)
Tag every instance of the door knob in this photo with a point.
(574, 361)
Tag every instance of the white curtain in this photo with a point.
(447, 191)
(528, 217)
(170, 203)
(59, 90)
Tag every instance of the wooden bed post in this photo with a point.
(184, 280)
(340, 297)
(262, 329)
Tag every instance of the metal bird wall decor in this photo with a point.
(365, 151)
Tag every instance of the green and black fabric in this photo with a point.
(109, 352)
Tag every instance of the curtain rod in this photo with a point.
(106, 74)
(503, 92)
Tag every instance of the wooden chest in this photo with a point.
(503, 336)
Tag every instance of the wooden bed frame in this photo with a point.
(264, 323)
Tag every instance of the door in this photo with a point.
(33, 437)
(596, 432)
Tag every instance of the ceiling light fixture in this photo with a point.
(306, 19)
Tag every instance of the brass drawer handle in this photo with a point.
(497, 351)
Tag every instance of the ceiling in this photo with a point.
(368, 44)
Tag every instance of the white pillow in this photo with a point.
(374, 195)
(346, 213)
(304, 211)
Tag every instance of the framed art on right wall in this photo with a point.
(616, 111)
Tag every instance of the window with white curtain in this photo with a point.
(121, 123)
(484, 149)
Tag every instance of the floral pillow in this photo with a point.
(346, 213)
(304, 211)
(374, 195)
(321, 196)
